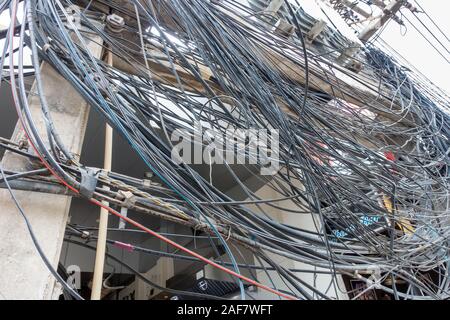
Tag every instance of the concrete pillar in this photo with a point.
(23, 274)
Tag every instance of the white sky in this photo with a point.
(416, 50)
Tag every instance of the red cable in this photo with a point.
(192, 253)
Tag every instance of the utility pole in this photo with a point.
(388, 12)
(351, 5)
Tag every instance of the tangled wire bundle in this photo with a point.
(368, 163)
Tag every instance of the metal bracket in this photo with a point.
(284, 28)
(89, 180)
(75, 13)
(315, 31)
(115, 23)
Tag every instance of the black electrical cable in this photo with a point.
(364, 171)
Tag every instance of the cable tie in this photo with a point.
(125, 246)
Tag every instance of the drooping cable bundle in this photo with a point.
(368, 164)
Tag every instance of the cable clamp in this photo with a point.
(46, 47)
(127, 198)
(89, 180)
(147, 183)
(85, 234)
(115, 23)
(23, 144)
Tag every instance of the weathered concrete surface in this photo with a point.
(23, 275)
